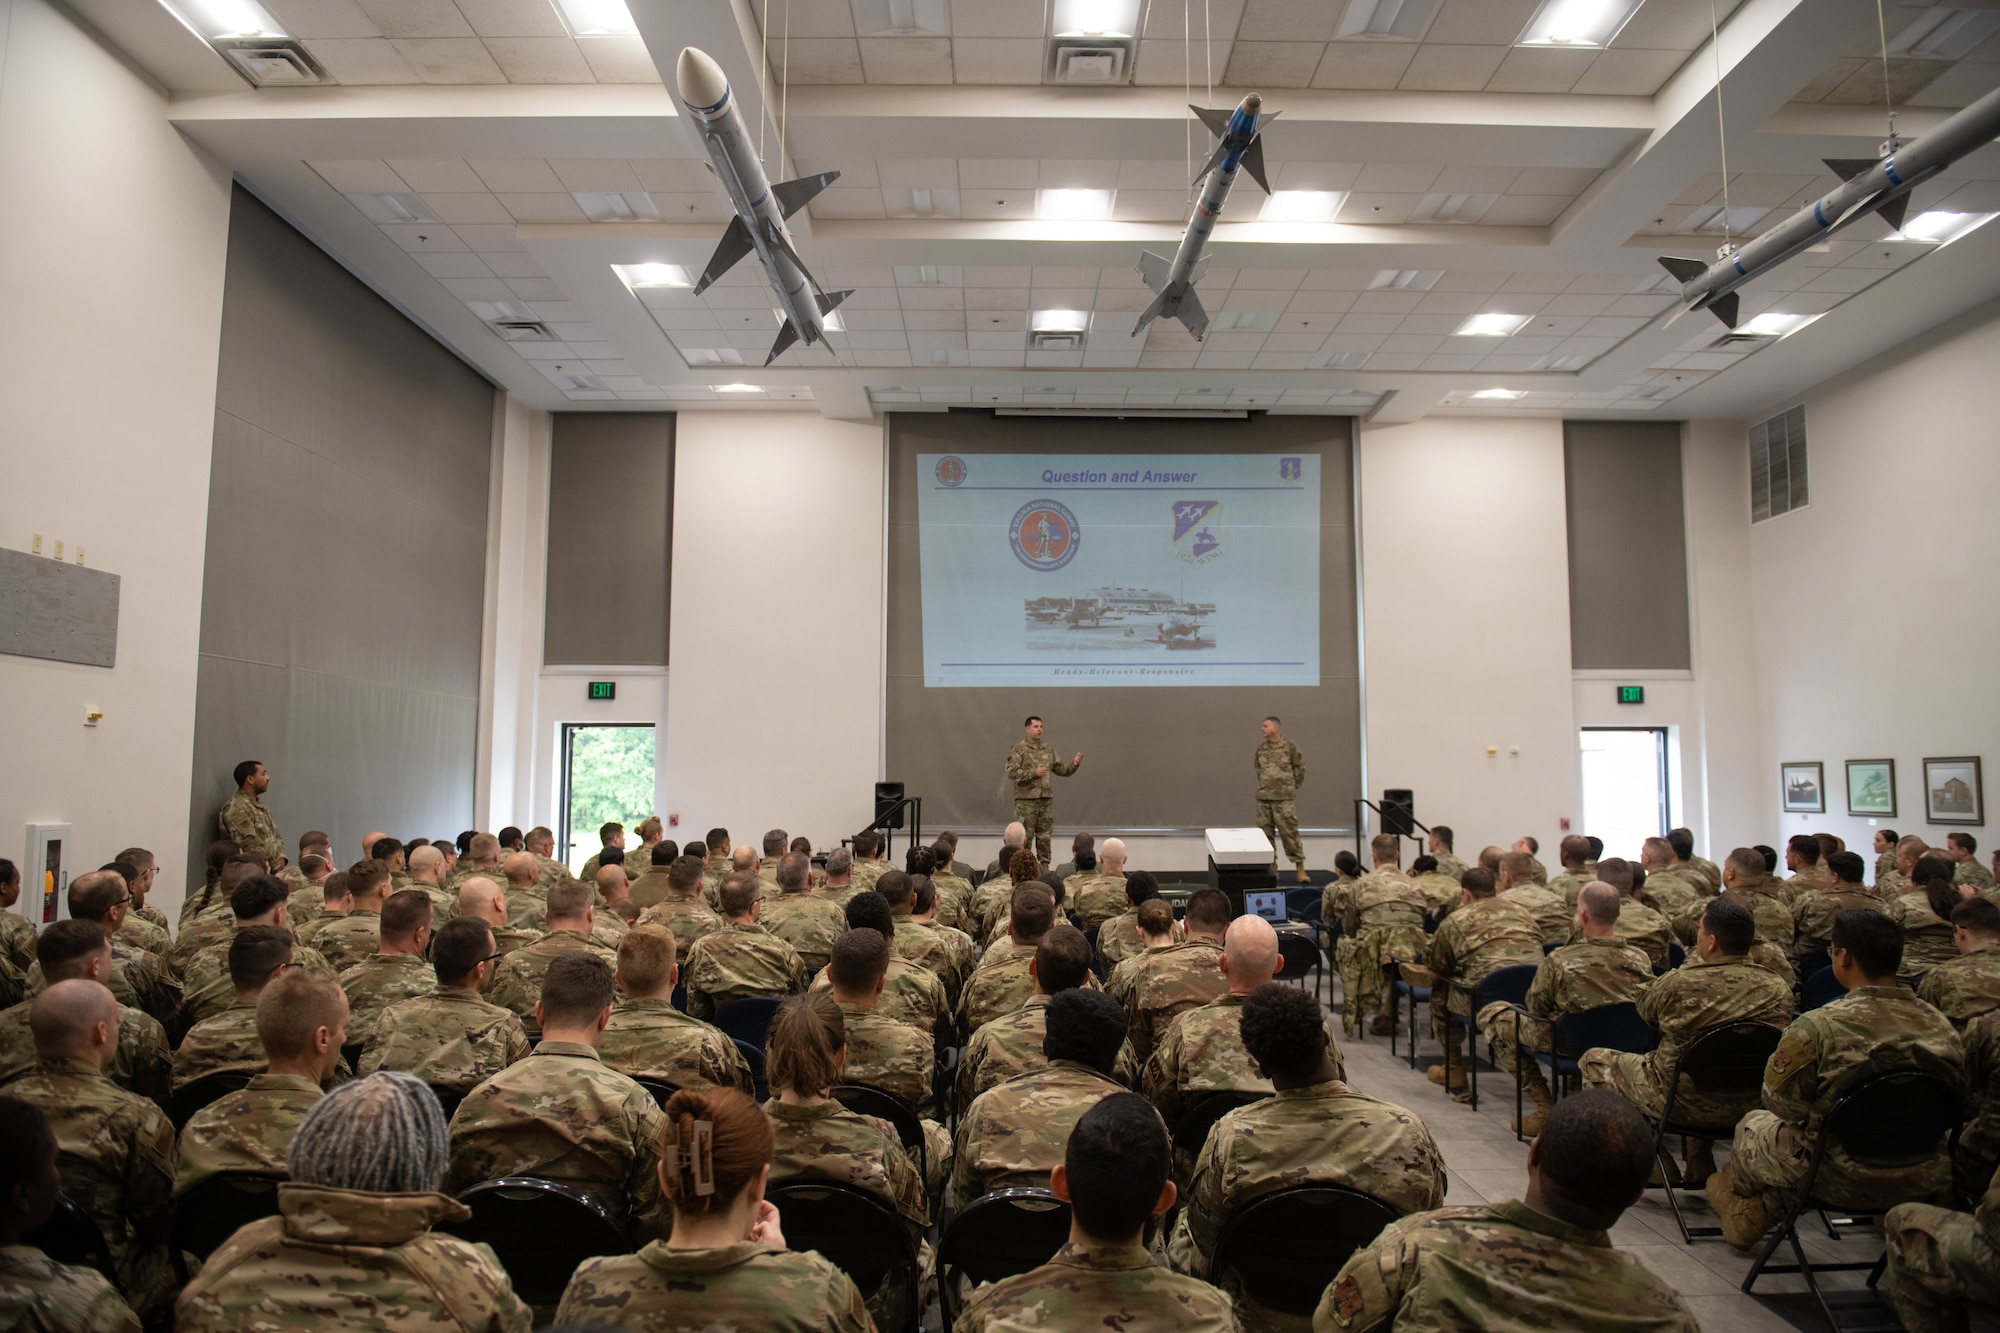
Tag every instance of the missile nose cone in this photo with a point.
(1252, 103)
(702, 82)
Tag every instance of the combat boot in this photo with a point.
(1457, 1084)
(1383, 1024)
(1744, 1219)
(1700, 1163)
(1304, 878)
(1530, 1124)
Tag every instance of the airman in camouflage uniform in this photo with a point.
(1281, 771)
(1969, 870)
(207, 989)
(227, 1042)
(1641, 928)
(245, 822)
(911, 995)
(1571, 882)
(892, 1056)
(1942, 1263)
(803, 920)
(1438, 846)
(925, 948)
(954, 893)
(143, 1065)
(1014, 1134)
(829, 1142)
(248, 1130)
(1203, 1053)
(363, 1260)
(39, 1295)
(1029, 766)
(1813, 914)
(563, 1114)
(1002, 1048)
(1088, 1279)
(1927, 937)
(17, 937)
(745, 1286)
(1966, 986)
(1597, 970)
(1382, 923)
(139, 979)
(1167, 983)
(1440, 891)
(1099, 899)
(1119, 940)
(140, 933)
(999, 985)
(1673, 894)
(450, 1038)
(1978, 1154)
(1483, 936)
(689, 918)
(346, 940)
(521, 984)
(740, 959)
(649, 1038)
(384, 979)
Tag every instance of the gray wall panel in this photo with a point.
(1628, 581)
(611, 504)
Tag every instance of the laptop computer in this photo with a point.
(1268, 904)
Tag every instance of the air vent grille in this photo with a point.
(271, 62)
(1056, 340)
(524, 331)
(1778, 473)
(1094, 59)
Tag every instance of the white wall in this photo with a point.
(1878, 606)
(113, 231)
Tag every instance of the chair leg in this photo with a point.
(1779, 1235)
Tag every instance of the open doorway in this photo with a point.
(1625, 786)
(607, 776)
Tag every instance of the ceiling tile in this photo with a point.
(613, 174)
(997, 18)
(518, 175)
(539, 60)
(307, 19)
(1151, 206)
(686, 174)
(842, 203)
(1629, 72)
(1296, 175)
(1539, 69)
(1002, 60)
(1074, 174)
(906, 61)
(360, 176)
(468, 208)
(1272, 64)
(1396, 177)
(1481, 22)
(817, 60)
(532, 208)
(1363, 65)
(811, 18)
(918, 173)
(619, 60)
(449, 175)
(1451, 68)
(510, 264)
(423, 237)
(365, 62)
(450, 59)
(1298, 21)
(1683, 27)
(496, 237)
(454, 266)
(416, 18)
(512, 18)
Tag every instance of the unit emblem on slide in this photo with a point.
(950, 470)
(1291, 469)
(1197, 530)
(1045, 535)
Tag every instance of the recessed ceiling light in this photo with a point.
(737, 388)
(210, 19)
(1943, 227)
(1301, 206)
(1578, 24)
(1096, 18)
(393, 207)
(1405, 279)
(1385, 20)
(610, 206)
(1245, 321)
(1059, 321)
(1073, 205)
(1340, 360)
(1501, 395)
(1491, 325)
(598, 18)
(711, 356)
(1738, 219)
(1774, 324)
(1944, 33)
(636, 276)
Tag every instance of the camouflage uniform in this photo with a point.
(1502, 1268)
(509, 938)
(17, 940)
(1005, 1046)
(1673, 895)
(1483, 936)
(1813, 913)
(348, 939)
(528, 966)
(245, 822)
(248, 1130)
(563, 1114)
(1552, 916)
(1698, 995)
(226, 1043)
(1281, 771)
(688, 918)
(1326, 1134)
(1083, 1280)
(1034, 804)
(374, 985)
(1449, 864)
(743, 1287)
(806, 921)
(925, 947)
(961, 955)
(999, 985)
(138, 979)
(1964, 986)
(1767, 904)
(1978, 1152)
(1203, 1053)
(144, 1064)
(1927, 937)
(652, 886)
(1576, 977)
(649, 1038)
(341, 1258)
(1382, 923)
(305, 907)
(1119, 939)
(1570, 884)
(1891, 884)
(1014, 1134)
(1942, 1263)
(140, 933)
(1824, 1053)
(207, 989)
(1440, 891)
(451, 1038)
(39, 1295)
(115, 1152)
(1970, 871)
(527, 908)
(740, 959)
(1097, 900)
(910, 995)
(1641, 928)
(988, 911)
(1333, 899)
(953, 894)
(1167, 983)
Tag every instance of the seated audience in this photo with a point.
(1484, 935)
(571, 915)
(1542, 1261)
(911, 994)
(607, 1129)
(1000, 983)
(881, 1052)
(1924, 913)
(1168, 982)
(260, 900)
(357, 934)
(649, 887)
(529, 879)
(648, 1038)
(1814, 909)
(1644, 928)
(451, 1038)
(1113, 1175)
(1012, 1043)
(1118, 938)
(1579, 867)
(353, 1244)
(1157, 930)
(805, 920)
(683, 910)
(725, 1264)
(1943, 1264)
(228, 1042)
(742, 958)
(396, 971)
(919, 944)
(1100, 895)
(1381, 922)
(302, 1023)
(139, 979)
(1966, 985)
(78, 950)
(37, 1294)
(960, 952)
(1517, 884)
(1441, 891)
(1013, 1134)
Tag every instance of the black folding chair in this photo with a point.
(1617, 1027)
(1285, 1248)
(540, 1230)
(70, 1236)
(219, 1206)
(754, 1057)
(660, 1088)
(861, 1235)
(1402, 990)
(679, 999)
(1819, 988)
(998, 1235)
(1303, 906)
(748, 1018)
(205, 1091)
(1813, 962)
(1301, 956)
(1502, 983)
(1725, 1063)
(863, 1099)
(1191, 1132)
(1891, 1121)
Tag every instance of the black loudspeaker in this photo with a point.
(889, 795)
(1399, 811)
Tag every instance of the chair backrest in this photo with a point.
(1894, 1120)
(1285, 1248)
(862, 1099)
(1728, 1062)
(660, 1088)
(70, 1236)
(205, 1091)
(212, 1211)
(855, 1231)
(999, 1235)
(748, 1018)
(1503, 983)
(754, 1057)
(1303, 905)
(679, 999)
(540, 1230)
(1813, 962)
(1302, 957)
(448, 1099)
(1819, 988)
(1675, 954)
(1615, 1027)
(1195, 1122)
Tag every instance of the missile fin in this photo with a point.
(776, 236)
(735, 244)
(1151, 313)
(1894, 211)
(1214, 161)
(1191, 314)
(1675, 318)
(1154, 269)
(795, 194)
(1725, 310)
(1684, 270)
(1217, 121)
(1200, 269)
(786, 337)
(1847, 168)
(1253, 162)
(828, 300)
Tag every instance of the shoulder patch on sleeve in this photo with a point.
(1347, 1300)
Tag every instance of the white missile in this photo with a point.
(1867, 186)
(1173, 279)
(761, 207)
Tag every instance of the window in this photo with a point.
(607, 776)
(1625, 786)
(1778, 465)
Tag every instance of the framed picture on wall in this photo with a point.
(1952, 791)
(1871, 787)
(1805, 788)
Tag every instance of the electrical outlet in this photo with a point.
(79, 555)
(36, 548)
(59, 548)
(92, 715)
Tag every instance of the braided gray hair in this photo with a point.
(384, 1134)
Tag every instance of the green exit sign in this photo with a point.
(1627, 694)
(604, 689)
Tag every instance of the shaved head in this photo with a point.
(1112, 856)
(611, 882)
(480, 897)
(745, 857)
(368, 842)
(522, 868)
(1249, 953)
(75, 1020)
(1015, 835)
(426, 860)
(1599, 902)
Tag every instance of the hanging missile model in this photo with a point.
(1173, 280)
(1868, 185)
(761, 207)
